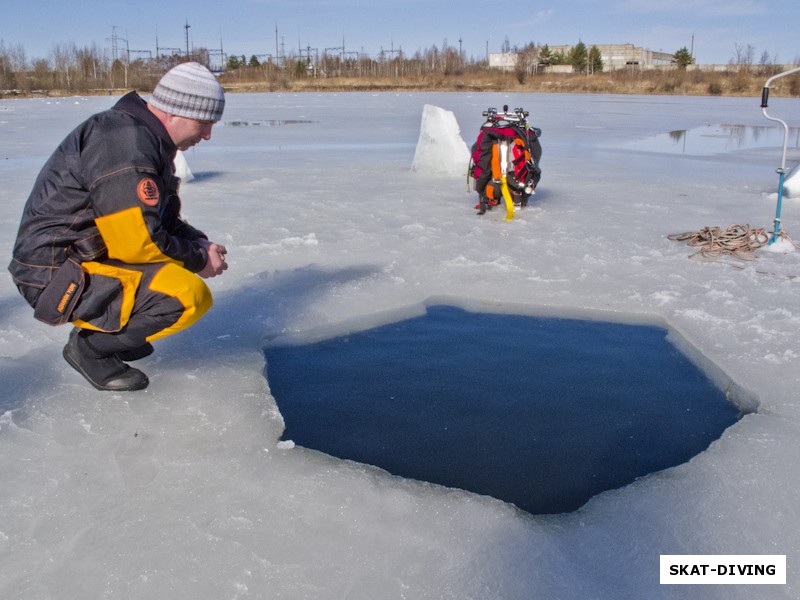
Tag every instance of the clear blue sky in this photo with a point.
(712, 28)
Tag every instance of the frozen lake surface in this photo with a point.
(185, 491)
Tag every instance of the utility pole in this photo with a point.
(162, 50)
(186, 27)
(221, 54)
(309, 63)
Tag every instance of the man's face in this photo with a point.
(186, 133)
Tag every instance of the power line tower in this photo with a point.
(279, 49)
(114, 39)
(186, 27)
(115, 56)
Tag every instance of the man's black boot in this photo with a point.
(104, 371)
(137, 353)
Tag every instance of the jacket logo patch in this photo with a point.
(147, 191)
(65, 298)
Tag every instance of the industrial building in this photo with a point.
(614, 57)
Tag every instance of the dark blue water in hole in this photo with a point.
(543, 413)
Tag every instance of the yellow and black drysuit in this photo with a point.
(101, 242)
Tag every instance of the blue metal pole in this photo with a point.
(782, 169)
(777, 221)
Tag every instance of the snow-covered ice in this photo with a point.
(183, 491)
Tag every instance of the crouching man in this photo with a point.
(101, 242)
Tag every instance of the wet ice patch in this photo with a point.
(713, 139)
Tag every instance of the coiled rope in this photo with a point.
(737, 241)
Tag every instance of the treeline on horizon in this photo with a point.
(87, 70)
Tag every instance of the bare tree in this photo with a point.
(12, 66)
(63, 56)
(42, 74)
(743, 55)
(527, 62)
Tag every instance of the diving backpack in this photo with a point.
(504, 161)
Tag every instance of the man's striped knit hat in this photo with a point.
(190, 90)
